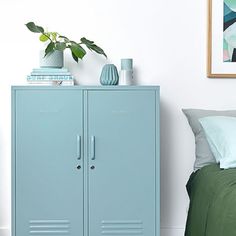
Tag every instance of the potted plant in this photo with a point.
(57, 43)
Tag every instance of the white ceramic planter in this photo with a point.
(54, 59)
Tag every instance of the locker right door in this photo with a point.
(122, 162)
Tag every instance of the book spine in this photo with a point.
(50, 73)
(49, 70)
(49, 77)
(63, 83)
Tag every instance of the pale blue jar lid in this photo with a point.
(127, 64)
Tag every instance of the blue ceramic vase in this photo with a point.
(109, 75)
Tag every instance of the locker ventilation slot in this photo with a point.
(49, 227)
(122, 227)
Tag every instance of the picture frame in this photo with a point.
(221, 56)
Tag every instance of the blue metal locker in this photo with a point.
(85, 160)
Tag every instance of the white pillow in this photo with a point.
(221, 136)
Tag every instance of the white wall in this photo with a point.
(167, 40)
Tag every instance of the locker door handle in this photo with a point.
(92, 145)
(78, 152)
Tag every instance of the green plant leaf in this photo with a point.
(77, 50)
(86, 41)
(96, 49)
(43, 38)
(60, 46)
(74, 56)
(49, 49)
(92, 46)
(34, 28)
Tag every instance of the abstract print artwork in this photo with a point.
(221, 61)
(229, 41)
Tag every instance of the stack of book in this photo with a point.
(50, 76)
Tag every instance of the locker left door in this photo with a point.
(48, 162)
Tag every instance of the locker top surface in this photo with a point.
(82, 87)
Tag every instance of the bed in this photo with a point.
(212, 210)
(212, 185)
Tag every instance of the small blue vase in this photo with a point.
(109, 75)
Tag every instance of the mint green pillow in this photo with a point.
(204, 155)
(220, 132)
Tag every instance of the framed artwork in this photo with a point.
(221, 39)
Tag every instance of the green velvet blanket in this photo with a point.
(212, 210)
